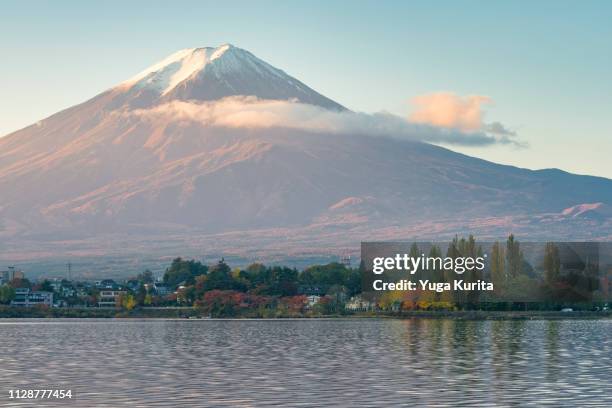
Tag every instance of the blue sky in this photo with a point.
(546, 65)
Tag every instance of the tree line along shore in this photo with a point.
(190, 288)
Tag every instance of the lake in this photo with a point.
(336, 362)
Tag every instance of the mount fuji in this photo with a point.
(170, 163)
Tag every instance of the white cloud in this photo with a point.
(449, 110)
(463, 113)
(250, 112)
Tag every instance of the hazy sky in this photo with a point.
(545, 66)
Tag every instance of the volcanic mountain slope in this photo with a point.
(120, 163)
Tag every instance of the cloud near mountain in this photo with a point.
(251, 112)
(463, 113)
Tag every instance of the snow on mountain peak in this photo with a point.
(213, 73)
(176, 68)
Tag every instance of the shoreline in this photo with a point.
(194, 314)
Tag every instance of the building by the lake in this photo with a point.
(110, 293)
(25, 297)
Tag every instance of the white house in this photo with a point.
(109, 297)
(359, 304)
(313, 300)
(24, 297)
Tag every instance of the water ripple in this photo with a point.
(245, 363)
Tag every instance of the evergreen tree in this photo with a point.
(514, 257)
(498, 266)
(219, 277)
(552, 263)
(437, 273)
(183, 271)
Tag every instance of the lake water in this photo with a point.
(353, 362)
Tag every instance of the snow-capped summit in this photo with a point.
(210, 73)
(165, 75)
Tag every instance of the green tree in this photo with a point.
(324, 276)
(141, 294)
(282, 281)
(183, 271)
(468, 249)
(220, 277)
(514, 257)
(46, 286)
(454, 251)
(498, 268)
(145, 277)
(437, 273)
(7, 294)
(552, 263)
(414, 251)
(353, 282)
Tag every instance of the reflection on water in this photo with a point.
(312, 362)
